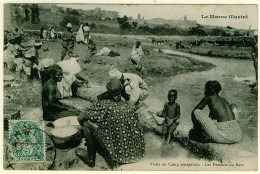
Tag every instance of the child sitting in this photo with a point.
(171, 113)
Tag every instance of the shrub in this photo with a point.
(74, 20)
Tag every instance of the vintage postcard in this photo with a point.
(129, 87)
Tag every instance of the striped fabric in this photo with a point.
(221, 132)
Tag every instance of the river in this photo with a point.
(190, 87)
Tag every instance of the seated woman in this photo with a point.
(52, 108)
(136, 55)
(71, 80)
(221, 125)
(111, 127)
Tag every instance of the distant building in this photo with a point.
(110, 14)
(101, 14)
(186, 23)
(140, 20)
(139, 16)
(185, 18)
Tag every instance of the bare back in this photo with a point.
(220, 109)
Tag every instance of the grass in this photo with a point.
(158, 66)
(221, 51)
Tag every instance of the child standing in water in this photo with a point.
(171, 113)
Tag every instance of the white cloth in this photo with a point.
(44, 34)
(45, 63)
(52, 33)
(136, 87)
(8, 53)
(138, 51)
(70, 68)
(86, 28)
(136, 54)
(103, 52)
(80, 34)
(87, 36)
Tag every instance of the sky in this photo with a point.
(193, 12)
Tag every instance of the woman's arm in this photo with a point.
(202, 103)
(54, 105)
(81, 78)
(96, 113)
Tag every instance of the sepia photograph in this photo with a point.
(129, 87)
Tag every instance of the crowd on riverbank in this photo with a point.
(132, 88)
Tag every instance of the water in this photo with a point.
(190, 87)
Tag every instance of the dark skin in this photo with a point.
(50, 90)
(219, 107)
(137, 44)
(33, 58)
(172, 96)
(81, 78)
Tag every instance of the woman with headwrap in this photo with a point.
(52, 108)
(111, 128)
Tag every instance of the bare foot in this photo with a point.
(83, 155)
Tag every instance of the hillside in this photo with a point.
(102, 21)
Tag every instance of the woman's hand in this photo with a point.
(81, 118)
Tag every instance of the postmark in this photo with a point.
(27, 141)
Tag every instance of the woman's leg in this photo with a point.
(89, 156)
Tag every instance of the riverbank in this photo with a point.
(190, 87)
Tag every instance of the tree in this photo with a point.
(60, 10)
(123, 23)
(74, 20)
(198, 30)
(134, 24)
(93, 25)
(237, 33)
(26, 12)
(74, 12)
(35, 14)
(145, 29)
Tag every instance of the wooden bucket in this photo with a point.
(66, 137)
(67, 121)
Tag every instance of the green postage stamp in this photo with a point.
(27, 141)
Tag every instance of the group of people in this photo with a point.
(21, 58)
(111, 126)
(48, 34)
(220, 126)
(83, 37)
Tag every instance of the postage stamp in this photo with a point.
(27, 141)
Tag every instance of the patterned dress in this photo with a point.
(119, 130)
(226, 132)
